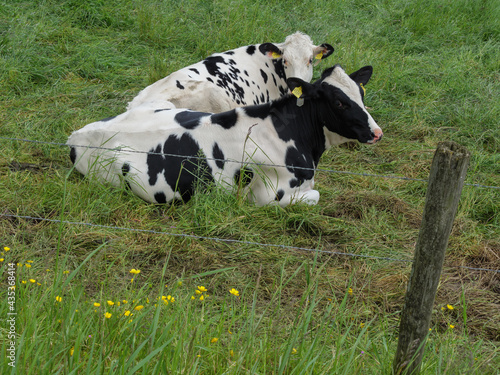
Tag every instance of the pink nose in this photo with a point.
(377, 136)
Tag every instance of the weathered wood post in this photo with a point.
(446, 179)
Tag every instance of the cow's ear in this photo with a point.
(362, 76)
(299, 87)
(322, 51)
(270, 50)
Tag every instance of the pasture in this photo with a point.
(224, 286)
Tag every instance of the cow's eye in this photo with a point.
(311, 60)
(339, 104)
(285, 61)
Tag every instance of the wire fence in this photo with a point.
(124, 149)
(233, 241)
(227, 240)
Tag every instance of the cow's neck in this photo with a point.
(300, 124)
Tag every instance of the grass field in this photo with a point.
(64, 64)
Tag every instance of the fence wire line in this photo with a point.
(122, 149)
(285, 247)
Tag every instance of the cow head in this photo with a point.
(297, 55)
(342, 110)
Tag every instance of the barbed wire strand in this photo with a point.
(184, 235)
(120, 149)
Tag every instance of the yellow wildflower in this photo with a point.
(126, 313)
(179, 283)
(118, 303)
(214, 340)
(22, 281)
(362, 325)
(58, 299)
(125, 301)
(202, 297)
(107, 315)
(452, 326)
(27, 265)
(32, 281)
(138, 308)
(231, 353)
(202, 289)
(71, 351)
(29, 261)
(294, 351)
(450, 307)
(2, 259)
(97, 304)
(350, 291)
(6, 248)
(234, 292)
(192, 297)
(110, 303)
(66, 272)
(132, 280)
(134, 271)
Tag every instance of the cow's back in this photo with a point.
(223, 81)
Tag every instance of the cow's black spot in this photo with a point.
(262, 98)
(251, 50)
(246, 73)
(279, 68)
(178, 84)
(160, 198)
(300, 165)
(189, 119)
(161, 110)
(225, 119)
(183, 165)
(154, 162)
(108, 119)
(125, 169)
(72, 155)
(259, 111)
(279, 195)
(264, 75)
(295, 183)
(210, 79)
(211, 64)
(194, 70)
(229, 53)
(243, 176)
(218, 155)
(274, 80)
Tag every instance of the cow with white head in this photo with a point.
(253, 74)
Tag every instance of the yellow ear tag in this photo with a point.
(297, 91)
(363, 87)
(319, 56)
(275, 55)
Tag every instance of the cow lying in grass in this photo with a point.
(247, 75)
(268, 150)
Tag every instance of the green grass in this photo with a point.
(64, 64)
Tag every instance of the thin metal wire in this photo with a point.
(285, 247)
(120, 149)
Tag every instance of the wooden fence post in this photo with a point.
(446, 179)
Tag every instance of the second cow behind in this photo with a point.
(253, 74)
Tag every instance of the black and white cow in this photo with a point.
(247, 75)
(270, 149)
